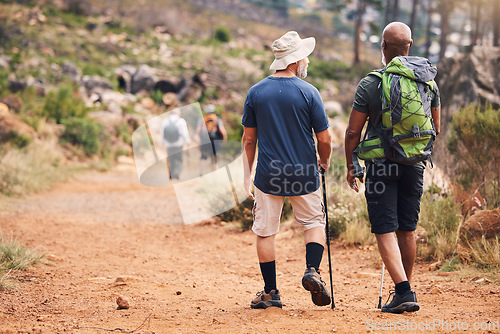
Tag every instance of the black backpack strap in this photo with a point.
(359, 171)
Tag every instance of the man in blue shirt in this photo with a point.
(282, 115)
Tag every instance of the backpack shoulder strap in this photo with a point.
(376, 73)
(172, 121)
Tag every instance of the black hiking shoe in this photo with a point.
(265, 300)
(311, 281)
(401, 303)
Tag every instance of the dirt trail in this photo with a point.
(106, 235)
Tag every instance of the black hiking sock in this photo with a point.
(268, 270)
(314, 254)
(402, 288)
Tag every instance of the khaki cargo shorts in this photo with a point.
(308, 210)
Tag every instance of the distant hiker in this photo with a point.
(402, 104)
(282, 114)
(211, 139)
(175, 136)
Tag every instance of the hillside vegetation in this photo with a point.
(61, 64)
(68, 101)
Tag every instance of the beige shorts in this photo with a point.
(307, 209)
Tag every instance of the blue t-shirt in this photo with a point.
(285, 112)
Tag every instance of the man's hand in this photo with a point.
(249, 141)
(325, 165)
(351, 180)
(324, 149)
(247, 183)
(352, 136)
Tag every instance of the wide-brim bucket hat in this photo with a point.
(290, 48)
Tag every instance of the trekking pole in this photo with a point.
(214, 151)
(381, 285)
(327, 233)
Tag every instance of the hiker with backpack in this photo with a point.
(175, 135)
(282, 115)
(402, 105)
(211, 140)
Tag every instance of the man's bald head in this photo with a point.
(396, 40)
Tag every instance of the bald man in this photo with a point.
(393, 191)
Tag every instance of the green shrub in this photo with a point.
(336, 70)
(440, 217)
(87, 134)
(233, 127)
(124, 132)
(313, 18)
(451, 265)
(157, 96)
(474, 145)
(63, 104)
(222, 34)
(93, 68)
(18, 140)
(242, 214)
(4, 83)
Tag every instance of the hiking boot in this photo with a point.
(401, 303)
(311, 281)
(265, 300)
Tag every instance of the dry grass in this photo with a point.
(485, 254)
(31, 169)
(348, 215)
(358, 232)
(440, 217)
(14, 257)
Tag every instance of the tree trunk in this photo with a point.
(280, 6)
(412, 19)
(359, 28)
(496, 22)
(476, 21)
(387, 17)
(413, 14)
(395, 10)
(428, 29)
(445, 10)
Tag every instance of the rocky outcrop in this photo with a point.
(143, 79)
(95, 83)
(482, 223)
(462, 80)
(17, 85)
(167, 86)
(469, 78)
(72, 71)
(133, 79)
(14, 102)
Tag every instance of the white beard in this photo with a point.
(384, 62)
(302, 71)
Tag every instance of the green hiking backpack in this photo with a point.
(406, 133)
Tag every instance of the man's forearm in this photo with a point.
(436, 118)
(249, 150)
(325, 152)
(351, 142)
